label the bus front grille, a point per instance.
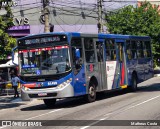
(43, 87)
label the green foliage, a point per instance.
(143, 20)
(6, 42)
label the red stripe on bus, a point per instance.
(43, 49)
(122, 74)
(31, 85)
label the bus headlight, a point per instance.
(25, 88)
(64, 83)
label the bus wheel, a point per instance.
(91, 96)
(49, 102)
(134, 83)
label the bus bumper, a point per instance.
(47, 93)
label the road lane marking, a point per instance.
(119, 111)
(43, 114)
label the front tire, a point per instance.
(91, 96)
(49, 102)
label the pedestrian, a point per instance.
(15, 80)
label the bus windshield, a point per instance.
(45, 61)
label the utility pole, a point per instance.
(46, 15)
(100, 24)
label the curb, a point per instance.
(15, 100)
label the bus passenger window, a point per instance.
(108, 57)
(134, 54)
(113, 55)
(110, 50)
(140, 52)
(129, 54)
(145, 53)
(90, 57)
(128, 49)
(148, 53)
(89, 50)
(76, 54)
(132, 49)
(99, 49)
(147, 49)
(89, 45)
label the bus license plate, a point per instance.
(42, 94)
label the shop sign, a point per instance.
(21, 21)
(20, 28)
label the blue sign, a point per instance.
(29, 66)
(38, 72)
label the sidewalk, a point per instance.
(9, 102)
(7, 96)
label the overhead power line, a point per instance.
(95, 10)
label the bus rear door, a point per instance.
(121, 63)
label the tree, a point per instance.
(143, 20)
(6, 42)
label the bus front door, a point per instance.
(121, 62)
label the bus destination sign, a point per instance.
(44, 40)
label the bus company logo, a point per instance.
(52, 83)
(8, 4)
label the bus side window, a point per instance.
(110, 50)
(128, 50)
(108, 57)
(129, 54)
(120, 48)
(147, 49)
(140, 52)
(134, 49)
(99, 49)
(113, 54)
(89, 50)
(76, 54)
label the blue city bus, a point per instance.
(69, 64)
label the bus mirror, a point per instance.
(77, 53)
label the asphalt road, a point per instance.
(120, 105)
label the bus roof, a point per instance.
(119, 36)
(100, 35)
